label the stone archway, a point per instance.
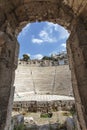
(14, 15)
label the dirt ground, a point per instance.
(57, 117)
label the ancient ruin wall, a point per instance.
(43, 106)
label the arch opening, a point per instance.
(44, 41)
(44, 82)
(72, 15)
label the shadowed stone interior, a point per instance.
(14, 15)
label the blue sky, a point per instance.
(42, 39)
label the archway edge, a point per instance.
(21, 12)
(48, 10)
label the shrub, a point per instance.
(20, 127)
(46, 115)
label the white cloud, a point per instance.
(63, 33)
(63, 45)
(28, 54)
(43, 34)
(37, 56)
(38, 41)
(55, 52)
(60, 49)
(24, 30)
(52, 25)
(47, 34)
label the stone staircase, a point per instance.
(44, 80)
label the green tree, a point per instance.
(26, 57)
(45, 58)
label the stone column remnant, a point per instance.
(77, 53)
(8, 64)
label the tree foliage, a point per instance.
(26, 57)
(49, 58)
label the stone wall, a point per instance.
(43, 106)
(39, 63)
(70, 124)
(16, 121)
(43, 63)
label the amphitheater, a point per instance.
(35, 79)
(14, 15)
(42, 88)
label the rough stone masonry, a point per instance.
(14, 15)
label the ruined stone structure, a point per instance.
(14, 15)
(39, 63)
(17, 120)
(43, 63)
(35, 79)
(43, 106)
